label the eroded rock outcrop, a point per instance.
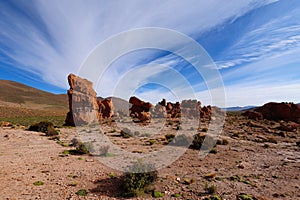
(83, 107)
(106, 108)
(140, 110)
(276, 111)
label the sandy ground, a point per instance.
(259, 160)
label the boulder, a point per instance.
(83, 107)
(140, 110)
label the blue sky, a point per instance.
(255, 44)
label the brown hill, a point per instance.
(20, 99)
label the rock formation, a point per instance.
(140, 110)
(106, 108)
(280, 111)
(83, 107)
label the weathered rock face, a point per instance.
(106, 108)
(280, 111)
(253, 115)
(83, 107)
(140, 110)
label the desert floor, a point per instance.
(259, 160)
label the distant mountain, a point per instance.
(14, 94)
(238, 108)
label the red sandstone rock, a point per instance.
(140, 109)
(83, 107)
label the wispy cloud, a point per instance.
(52, 38)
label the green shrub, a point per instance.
(210, 189)
(170, 136)
(44, 127)
(213, 151)
(215, 197)
(157, 194)
(151, 142)
(244, 196)
(176, 195)
(82, 192)
(137, 178)
(38, 183)
(84, 148)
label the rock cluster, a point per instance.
(140, 110)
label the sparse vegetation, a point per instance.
(214, 197)
(244, 196)
(213, 151)
(210, 189)
(170, 137)
(137, 178)
(176, 195)
(44, 127)
(157, 194)
(82, 192)
(38, 183)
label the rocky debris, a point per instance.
(253, 115)
(106, 108)
(140, 110)
(83, 107)
(5, 124)
(288, 126)
(280, 111)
